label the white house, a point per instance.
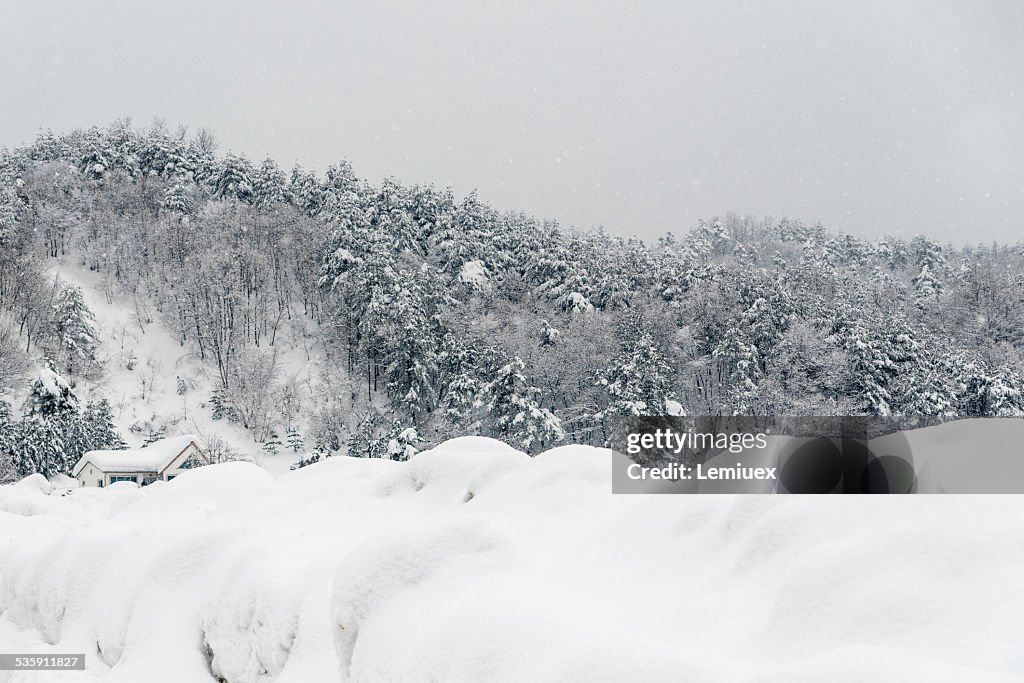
(159, 461)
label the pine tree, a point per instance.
(402, 442)
(927, 289)
(294, 439)
(178, 201)
(234, 179)
(637, 382)
(8, 470)
(463, 368)
(73, 330)
(371, 437)
(155, 433)
(34, 447)
(515, 411)
(268, 185)
(98, 423)
(8, 441)
(49, 394)
(221, 407)
(94, 164)
(272, 446)
(742, 363)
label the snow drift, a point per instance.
(474, 562)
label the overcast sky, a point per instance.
(870, 117)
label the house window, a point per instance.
(171, 476)
(188, 464)
(116, 478)
(99, 482)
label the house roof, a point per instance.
(152, 458)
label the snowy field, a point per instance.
(474, 562)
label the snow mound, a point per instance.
(475, 562)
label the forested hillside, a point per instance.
(441, 316)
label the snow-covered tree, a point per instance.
(293, 439)
(73, 330)
(269, 185)
(927, 289)
(638, 380)
(8, 433)
(515, 411)
(234, 179)
(272, 446)
(155, 433)
(742, 362)
(402, 444)
(99, 428)
(49, 394)
(54, 435)
(177, 200)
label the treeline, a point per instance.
(443, 316)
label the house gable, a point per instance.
(189, 458)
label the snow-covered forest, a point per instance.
(423, 315)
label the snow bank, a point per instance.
(474, 562)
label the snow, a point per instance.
(152, 458)
(472, 561)
(474, 273)
(674, 408)
(52, 383)
(578, 303)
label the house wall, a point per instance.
(90, 476)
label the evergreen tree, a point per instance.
(73, 329)
(294, 439)
(515, 412)
(8, 441)
(49, 394)
(927, 289)
(178, 201)
(8, 470)
(402, 442)
(742, 370)
(268, 185)
(637, 382)
(98, 424)
(272, 446)
(234, 179)
(155, 433)
(221, 407)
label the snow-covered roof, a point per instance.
(152, 458)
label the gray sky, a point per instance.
(871, 117)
